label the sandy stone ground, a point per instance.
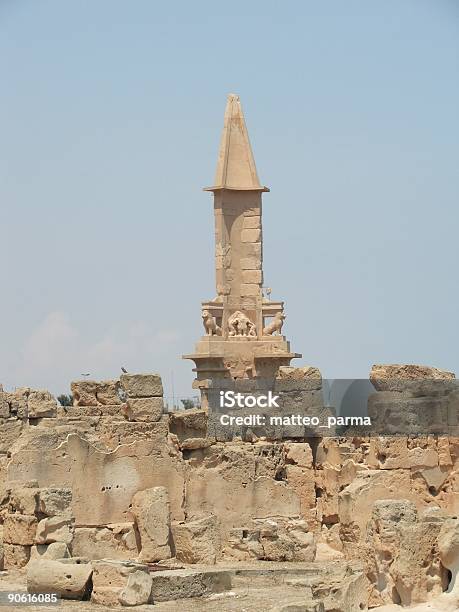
(244, 597)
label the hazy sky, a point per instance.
(111, 113)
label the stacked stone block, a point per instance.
(33, 519)
(144, 397)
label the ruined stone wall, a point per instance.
(115, 477)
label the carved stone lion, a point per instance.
(275, 325)
(210, 324)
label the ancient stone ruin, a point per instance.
(114, 502)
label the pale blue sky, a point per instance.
(111, 117)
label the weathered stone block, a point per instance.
(41, 404)
(11, 430)
(251, 249)
(152, 516)
(185, 583)
(19, 529)
(69, 578)
(15, 555)
(144, 409)
(298, 453)
(55, 501)
(397, 377)
(107, 392)
(17, 402)
(118, 583)
(110, 542)
(53, 551)
(142, 385)
(189, 424)
(249, 289)
(253, 222)
(84, 392)
(251, 263)
(55, 529)
(4, 406)
(250, 235)
(24, 499)
(298, 379)
(197, 541)
(252, 276)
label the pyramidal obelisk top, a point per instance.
(243, 328)
(236, 167)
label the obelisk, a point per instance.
(243, 328)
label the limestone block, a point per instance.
(120, 583)
(69, 578)
(197, 541)
(355, 502)
(286, 539)
(394, 413)
(302, 481)
(23, 499)
(405, 565)
(55, 529)
(444, 451)
(15, 555)
(390, 452)
(298, 453)
(248, 289)
(142, 385)
(448, 547)
(10, 432)
(4, 406)
(55, 501)
(253, 222)
(347, 592)
(189, 425)
(107, 392)
(19, 529)
(251, 249)
(396, 377)
(417, 571)
(298, 379)
(152, 516)
(243, 545)
(273, 539)
(184, 583)
(84, 392)
(251, 235)
(195, 443)
(253, 211)
(252, 276)
(55, 550)
(144, 409)
(41, 404)
(17, 402)
(300, 606)
(2, 562)
(109, 542)
(251, 263)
